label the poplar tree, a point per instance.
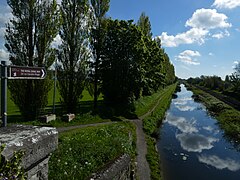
(73, 52)
(100, 7)
(28, 39)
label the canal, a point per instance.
(192, 146)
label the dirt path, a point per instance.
(226, 99)
(143, 169)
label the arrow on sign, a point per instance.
(24, 72)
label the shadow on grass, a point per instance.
(112, 112)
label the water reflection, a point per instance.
(219, 163)
(182, 123)
(192, 146)
(195, 142)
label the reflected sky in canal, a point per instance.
(192, 146)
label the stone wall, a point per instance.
(37, 144)
(120, 169)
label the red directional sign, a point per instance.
(22, 72)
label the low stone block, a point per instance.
(37, 144)
(48, 118)
(68, 117)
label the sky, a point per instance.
(201, 37)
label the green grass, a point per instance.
(82, 152)
(151, 125)
(144, 104)
(80, 119)
(153, 121)
(228, 117)
(153, 158)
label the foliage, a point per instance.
(73, 53)
(11, 169)
(82, 152)
(235, 78)
(153, 158)
(28, 38)
(120, 69)
(145, 25)
(227, 116)
(100, 7)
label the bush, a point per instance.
(11, 169)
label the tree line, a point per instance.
(116, 58)
(230, 86)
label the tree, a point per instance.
(28, 39)
(100, 7)
(145, 25)
(73, 52)
(235, 78)
(121, 69)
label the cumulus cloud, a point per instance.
(219, 163)
(3, 55)
(208, 19)
(226, 4)
(182, 124)
(195, 142)
(188, 57)
(221, 35)
(201, 23)
(194, 35)
(2, 32)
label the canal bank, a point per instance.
(193, 146)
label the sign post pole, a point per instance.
(4, 93)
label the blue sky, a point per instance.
(201, 37)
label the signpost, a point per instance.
(16, 72)
(21, 72)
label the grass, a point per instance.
(153, 158)
(152, 122)
(82, 152)
(228, 117)
(144, 104)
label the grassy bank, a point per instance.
(228, 117)
(82, 152)
(151, 124)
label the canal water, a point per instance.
(192, 146)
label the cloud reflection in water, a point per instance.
(181, 123)
(195, 142)
(219, 163)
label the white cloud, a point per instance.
(2, 32)
(4, 56)
(219, 163)
(201, 22)
(227, 4)
(188, 56)
(56, 41)
(194, 35)
(195, 142)
(236, 62)
(210, 54)
(221, 35)
(208, 19)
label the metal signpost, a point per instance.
(16, 72)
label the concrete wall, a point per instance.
(37, 144)
(120, 169)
